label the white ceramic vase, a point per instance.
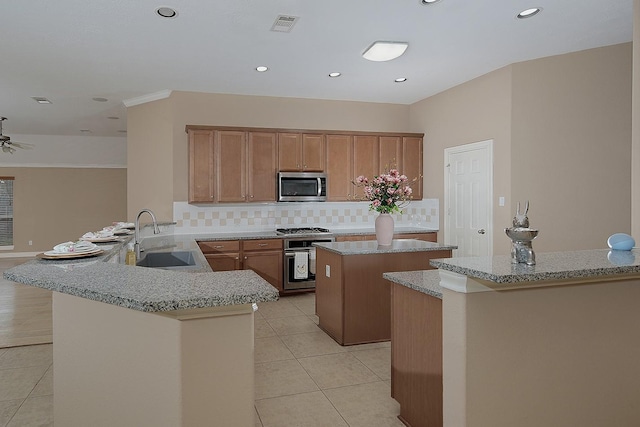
(384, 229)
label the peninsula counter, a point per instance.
(137, 346)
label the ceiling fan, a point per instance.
(7, 145)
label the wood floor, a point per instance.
(25, 311)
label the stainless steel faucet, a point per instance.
(156, 230)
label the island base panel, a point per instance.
(416, 356)
(354, 303)
(116, 366)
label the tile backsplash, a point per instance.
(269, 216)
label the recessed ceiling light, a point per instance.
(336, 74)
(262, 69)
(385, 51)
(85, 130)
(100, 99)
(113, 117)
(400, 80)
(166, 12)
(428, 2)
(122, 131)
(41, 100)
(528, 13)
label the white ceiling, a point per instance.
(70, 51)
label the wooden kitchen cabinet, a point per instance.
(262, 164)
(230, 166)
(412, 163)
(301, 152)
(222, 255)
(339, 168)
(201, 174)
(390, 150)
(264, 256)
(366, 156)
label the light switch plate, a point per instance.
(327, 270)
(501, 201)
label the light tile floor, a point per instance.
(302, 377)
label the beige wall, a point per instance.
(561, 128)
(54, 205)
(635, 159)
(474, 111)
(571, 146)
(150, 160)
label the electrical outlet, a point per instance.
(30, 242)
(327, 270)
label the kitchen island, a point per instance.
(353, 300)
(138, 346)
(555, 344)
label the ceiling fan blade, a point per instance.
(23, 145)
(7, 149)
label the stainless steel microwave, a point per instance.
(302, 187)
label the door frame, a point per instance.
(487, 147)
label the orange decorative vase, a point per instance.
(384, 229)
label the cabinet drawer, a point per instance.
(217, 246)
(260, 245)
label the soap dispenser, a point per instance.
(130, 259)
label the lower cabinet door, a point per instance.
(224, 261)
(267, 264)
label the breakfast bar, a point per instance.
(552, 344)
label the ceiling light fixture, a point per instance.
(528, 13)
(113, 117)
(335, 74)
(428, 2)
(100, 99)
(41, 100)
(262, 69)
(385, 51)
(400, 80)
(166, 12)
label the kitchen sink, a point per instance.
(169, 260)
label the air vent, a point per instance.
(284, 23)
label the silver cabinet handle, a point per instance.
(263, 244)
(218, 247)
(481, 231)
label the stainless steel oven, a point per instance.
(299, 251)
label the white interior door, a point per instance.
(468, 209)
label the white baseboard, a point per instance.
(19, 254)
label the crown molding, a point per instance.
(131, 102)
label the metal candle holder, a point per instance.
(521, 236)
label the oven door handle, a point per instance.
(292, 254)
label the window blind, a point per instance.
(6, 212)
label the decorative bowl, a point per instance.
(519, 234)
(621, 242)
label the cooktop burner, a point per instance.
(303, 230)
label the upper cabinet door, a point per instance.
(365, 156)
(339, 163)
(412, 163)
(262, 166)
(231, 166)
(313, 153)
(201, 178)
(289, 152)
(390, 153)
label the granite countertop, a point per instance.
(105, 278)
(371, 247)
(425, 281)
(551, 266)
